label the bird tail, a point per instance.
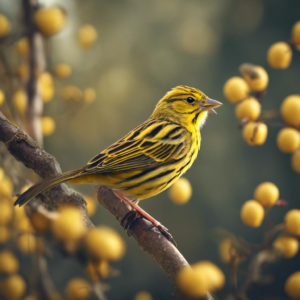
(45, 185)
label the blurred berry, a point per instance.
(290, 110)
(50, 20)
(255, 133)
(292, 285)
(280, 55)
(249, 108)
(236, 89)
(181, 191)
(288, 140)
(252, 213)
(267, 194)
(292, 221)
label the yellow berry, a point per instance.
(22, 46)
(87, 35)
(13, 287)
(2, 97)
(256, 77)
(226, 250)
(103, 268)
(192, 283)
(69, 225)
(8, 262)
(50, 20)
(20, 101)
(292, 285)
(249, 109)
(39, 222)
(214, 276)
(63, 70)
(23, 224)
(89, 95)
(296, 161)
(4, 234)
(78, 289)
(2, 174)
(71, 93)
(4, 25)
(48, 126)
(91, 205)
(255, 133)
(47, 93)
(288, 140)
(290, 110)
(23, 71)
(280, 55)
(6, 211)
(19, 213)
(236, 89)
(45, 78)
(267, 194)
(6, 187)
(296, 33)
(98, 270)
(104, 243)
(292, 221)
(288, 246)
(252, 213)
(143, 296)
(181, 191)
(46, 86)
(27, 243)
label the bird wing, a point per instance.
(151, 144)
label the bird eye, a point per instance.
(190, 100)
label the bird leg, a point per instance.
(145, 215)
(129, 219)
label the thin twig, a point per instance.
(8, 83)
(266, 256)
(233, 268)
(208, 296)
(36, 66)
(98, 291)
(45, 283)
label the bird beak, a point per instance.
(211, 104)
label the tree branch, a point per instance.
(36, 66)
(25, 150)
(150, 240)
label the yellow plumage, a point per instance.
(149, 158)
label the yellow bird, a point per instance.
(149, 158)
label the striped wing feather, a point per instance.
(151, 144)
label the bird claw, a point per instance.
(164, 231)
(133, 216)
(129, 219)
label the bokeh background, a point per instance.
(144, 49)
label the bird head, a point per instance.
(186, 106)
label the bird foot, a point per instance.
(164, 231)
(132, 216)
(129, 219)
(138, 213)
